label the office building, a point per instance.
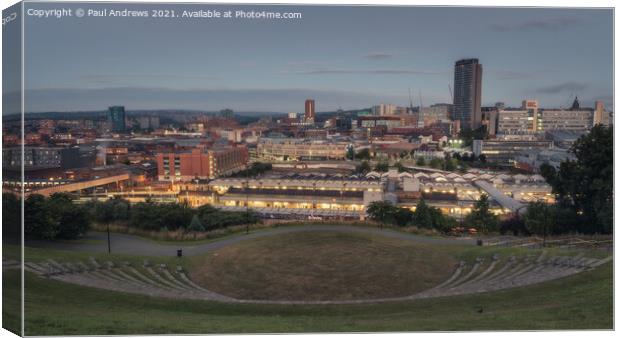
(296, 149)
(36, 158)
(505, 151)
(601, 116)
(384, 109)
(468, 93)
(439, 112)
(201, 163)
(116, 118)
(309, 110)
(148, 122)
(560, 119)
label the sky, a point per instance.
(343, 57)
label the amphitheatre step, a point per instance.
(494, 261)
(58, 266)
(36, 268)
(146, 278)
(507, 265)
(163, 269)
(161, 279)
(94, 262)
(465, 278)
(602, 261)
(460, 268)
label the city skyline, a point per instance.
(341, 61)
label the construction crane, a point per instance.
(420, 94)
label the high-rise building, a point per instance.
(384, 109)
(601, 116)
(309, 115)
(116, 118)
(467, 93)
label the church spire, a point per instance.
(575, 104)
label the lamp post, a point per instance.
(247, 197)
(109, 247)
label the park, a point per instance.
(306, 278)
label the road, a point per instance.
(134, 245)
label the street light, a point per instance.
(109, 248)
(247, 196)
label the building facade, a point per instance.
(200, 163)
(290, 149)
(505, 151)
(116, 118)
(468, 93)
(36, 158)
(309, 110)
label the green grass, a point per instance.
(582, 301)
(325, 265)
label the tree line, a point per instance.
(58, 217)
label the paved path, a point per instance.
(134, 245)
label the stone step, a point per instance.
(602, 261)
(494, 262)
(149, 280)
(94, 262)
(164, 271)
(466, 277)
(459, 270)
(160, 279)
(58, 266)
(498, 272)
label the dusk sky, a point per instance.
(343, 57)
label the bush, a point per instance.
(514, 225)
(56, 217)
(196, 225)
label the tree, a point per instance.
(436, 163)
(400, 167)
(585, 185)
(450, 164)
(69, 220)
(363, 154)
(38, 222)
(420, 162)
(480, 217)
(514, 225)
(540, 219)
(382, 167)
(11, 217)
(350, 153)
(422, 216)
(362, 168)
(402, 217)
(382, 212)
(195, 224)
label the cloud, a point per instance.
(123, 79)
(378, 56)
(563, 87)
(506, 74)
(551, 24)
(365, 71)
(242, 99)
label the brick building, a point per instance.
(202, 163)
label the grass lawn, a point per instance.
(323, 266)
(582, 301)
(346, 265)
